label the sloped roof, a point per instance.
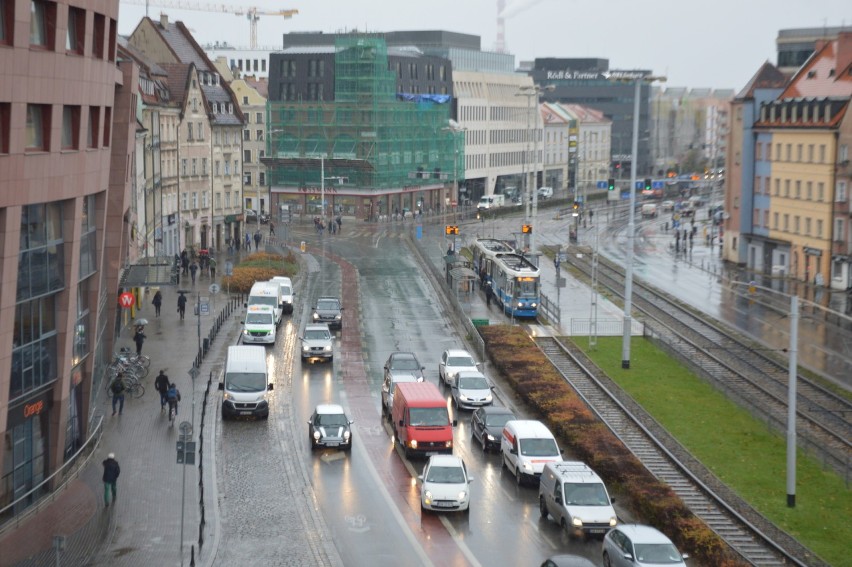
(826, 72)
(260, 85)
(178, 79)
(586, 114)
(767, 77)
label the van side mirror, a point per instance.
(245, 305)
(351, 421)
(222, 386)
(455, 422)
(561, 451)
(420, 477)
(270, 386)
(242, 322)
(310, 422)
(558, 499)
(470, 479)
(513, 451)
(401, 423)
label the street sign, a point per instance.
(214, 288)
(205, 306)
(194, 372)
(185, 428)
(229, 268)
(658, 185)
(126, 300)
(602, 184)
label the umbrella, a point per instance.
(140, 321)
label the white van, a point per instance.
(576, 497)
(545, 192)
(490, 201)
(266, 293)
(286, 292)
(259, 325)
(526, 446)
(245, 383)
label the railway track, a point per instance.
(741, 370)
(747, 539)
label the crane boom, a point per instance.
(252, 13)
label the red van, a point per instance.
(421, 420)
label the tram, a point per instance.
(485, 251)
(515, 282)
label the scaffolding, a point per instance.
(369, 137)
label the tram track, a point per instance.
(739, 368)
(756, 540)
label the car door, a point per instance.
(554, 502)
(477, 425)
(622, 546)
(442, 367)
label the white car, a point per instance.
(452, 361)
(471, 390)
(317, 342)
(634, 545)
(667, 206)
(445, 484)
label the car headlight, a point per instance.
(613, 521)
(306, 348)
(488, 398)
(413, 443)
(527, 466)
(449, 444)
(316, 315)
(316, 435)
(577, 522)
(246, 332)
(346, 434)
(462, 495)
(463, 398)
(327, 348)
(490, 437)
(338, 316)
(428, 495)
(227, 396)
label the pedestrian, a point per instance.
(257, 238)
(248, 241)
(193, 269)
(173, 397)
(139, 338)
(161, 383)
(488, 294)
(184, 261)
(212, 263)
(181, 305)
(271, 228)
(339, 222)
(556, 263)
(110, 478)
(118, 388)
(158, 302)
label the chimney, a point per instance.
(164, 20)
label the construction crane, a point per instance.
(252, 14)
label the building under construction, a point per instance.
(373, 138)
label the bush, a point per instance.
(260, 267)
(534, 379)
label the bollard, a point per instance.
(205, 345)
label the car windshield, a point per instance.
(327, 305)
(538, 447)
(404, 364)
(472, 383)
(263, 300)
(658, 553)
(245, 381)
(327, 419)
(259, 319)
(285, 290)
(461, 361)
(498, 420)
(445, 475)
(428, 416)
(317, 335)
(585, 494)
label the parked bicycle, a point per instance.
(135, 359)
(132, 386)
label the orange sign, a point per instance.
(33, 409)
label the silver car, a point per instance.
(452, 361)
(471, 389)
(631, 545)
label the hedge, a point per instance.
(259, 267)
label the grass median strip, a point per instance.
(738, 448)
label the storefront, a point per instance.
(25, 460)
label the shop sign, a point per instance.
(29, 409)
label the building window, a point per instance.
(840, 194)
(227, 199)
(258, 117)
(7, 16)
(227, 167)
(99, 35)
(799, 152)
(195, 199)
(261, 178)
(113, 30)
(88, 240)
(203, 166)
(822, 153)
(107, 125)
(246, 135)
(94, 125)
(843, 153)
(184, 201)
(189, 136)
(76, 30)
(38, 127)
(259, 134)
(819, 228)
(247, 178)
(218, 200)
(809, 190)
(184, 164)
(201, 131)
(838, 230)
(820, 191)
(5, 113)
(798, 189)
(787, 188)
(810, 153)
(195, 166)
(758, 151)
(775, 221)
(247, 156)
(796, 220)
(204, 199)
(42, 24)
(70, 127)
(263, 65)
(216, 168)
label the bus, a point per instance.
(515, 282)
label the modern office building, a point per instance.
(241, 62)
(67, 135)
(795, 46)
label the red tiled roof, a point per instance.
(826, 73)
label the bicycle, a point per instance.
(172, 412)
(134, 359)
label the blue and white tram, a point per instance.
(515, 282)
(485, 251)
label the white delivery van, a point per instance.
(491, 201)
(245, 384)
(649, 211)
(545, 192)
(526, 446)
(259, 325)
(266, 293)
(286, 292)
(576, 497)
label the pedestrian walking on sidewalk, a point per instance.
(118, 388)
(193, 269)
(212, 264)
(110, 478)
(181, 305)
(271, 229)
(488, 294)
(257, 237)
(158, 302)
(139, 338)
(161, 383)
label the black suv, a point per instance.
(328, 310)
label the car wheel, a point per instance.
(606, 560)
(518, 477)
(542, 507)
(503, 461)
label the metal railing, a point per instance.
(12, 515)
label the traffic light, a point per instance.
(526, 229)
(576, 205)
(647, 184)
(452, 229)
(611, 184)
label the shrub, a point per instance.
(260, 267)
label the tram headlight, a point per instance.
(520, 305)
(533, 304)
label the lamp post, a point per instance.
(530, 92)
(454, 128)
(631, 223)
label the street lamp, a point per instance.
(455, 128)
(637, 80)
(530, 92)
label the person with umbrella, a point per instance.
(139, 337)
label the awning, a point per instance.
(154, 271)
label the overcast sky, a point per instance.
(718, 44)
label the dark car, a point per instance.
(404, 363)
(328, 310)
(330, 427)
(487, 423)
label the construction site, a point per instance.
(368, 153)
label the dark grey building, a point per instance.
(588, 82)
